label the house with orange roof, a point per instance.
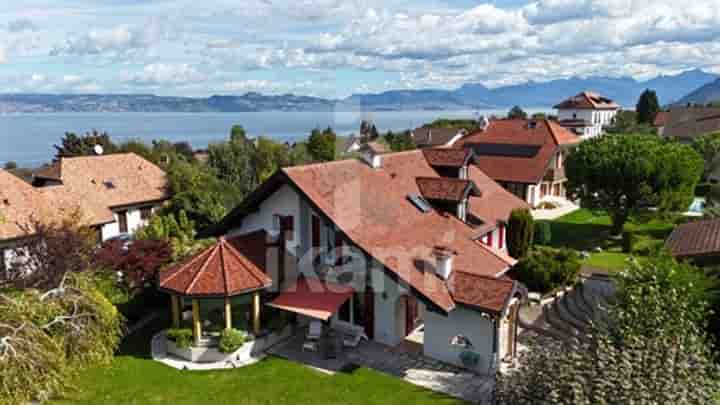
(526, 157)
(587, 114)
(394, 246)
(116, 194)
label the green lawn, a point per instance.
(133, 378)
(587, 229)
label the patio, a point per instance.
(411, 367)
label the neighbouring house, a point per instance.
(390, 246)
(696, 241)
(687, 123)
(425, 137)
(587, 114)
(660, 122)
(116, 194)
(22, 207)
(526, 157)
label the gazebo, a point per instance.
(218, 272)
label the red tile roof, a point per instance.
(447, 157)
(371, 208)
(495, 203)
(701, 238)
(95, 184)
(588, 100)
(489, 294)
(445, 189)
(536, 141)
(21, 206)
(218, 271)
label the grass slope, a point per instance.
(587, 229)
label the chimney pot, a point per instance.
(444, 256)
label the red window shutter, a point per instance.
(501, 242)
(490, 243)
(315, 231)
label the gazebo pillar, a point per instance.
(197, 326)
(256, 313)
(228, 314)
(175, 304)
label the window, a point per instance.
(501, 240)
(145, 213)
(287, 227)
(315, 231)
(122, 221)
(419, 202)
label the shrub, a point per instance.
(543, 233)
(546, 269)
(231, 340)
(628, 241)
(182, 337)
(519, 232)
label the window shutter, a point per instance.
(501, 242)
(287, 226)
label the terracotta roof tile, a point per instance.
(588, 100)
(447, 157)
(489, 294)
(661, 119)
(391, 228)
(425, 137)
(701, 238)
(218, 271)
(522, 151)
(21, 206)
(95, 184)
(495, 204)
(441, 188)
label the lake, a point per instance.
(28, 139)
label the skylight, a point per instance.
(420, 203)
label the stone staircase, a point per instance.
(569, 318)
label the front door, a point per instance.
(122, 221)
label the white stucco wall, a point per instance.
(286, 202)
(134, 221)
(440, 330)
(597, 118)
(387, 294)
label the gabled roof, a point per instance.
(371, 208)
(587, 101)
(446, 189)
(218, 271)
(489, 294)
(700, 238)
(517, 150)
(96, 184)
(21, 206)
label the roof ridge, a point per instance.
(204, 267)
(223, 268)
(189, 262)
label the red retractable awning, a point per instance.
(313, 298)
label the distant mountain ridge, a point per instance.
(706, 94)
(624, 91)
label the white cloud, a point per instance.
(167, 74)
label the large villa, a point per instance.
(402, 249)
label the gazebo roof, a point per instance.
(218, 271)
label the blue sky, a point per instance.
(333, 48)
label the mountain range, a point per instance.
(704, 95)
(623, 90)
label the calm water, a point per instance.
(28, 139)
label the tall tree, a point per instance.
(620, 173)
(520, 231)
(708, 146)
(237, 132)
(399, 141)
(84, 145)
(647, 107)
(234, 163)
(517, 113)
(269, 157)
(321, 144)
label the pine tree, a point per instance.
(647, 107)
